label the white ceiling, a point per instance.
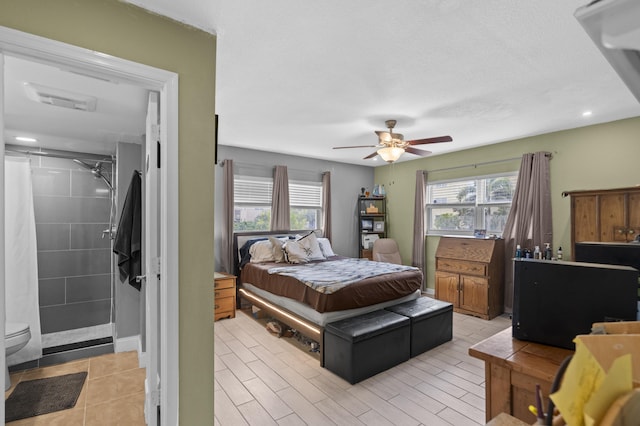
(119, 114)
(301, 77)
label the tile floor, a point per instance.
(113, 393)
(263, 380)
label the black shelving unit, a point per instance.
(372, 223)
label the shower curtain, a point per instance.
(21, 270)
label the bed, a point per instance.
(303, 304)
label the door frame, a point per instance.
(40, 49)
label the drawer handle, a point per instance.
(216, 293)
(216, 306)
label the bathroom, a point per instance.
(89, 135)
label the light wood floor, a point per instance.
(113, 392)
(263, 380)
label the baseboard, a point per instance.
(127, 344)
(142, 356)
(429, 292)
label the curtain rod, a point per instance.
(267, 167)
(548, 154)
(15, 149)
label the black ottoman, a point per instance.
(431, 322)
(363, 346)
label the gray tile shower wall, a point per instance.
(74, 260)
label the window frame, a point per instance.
(319, 208)
(252, 204)
(479, 208)
(266, 200)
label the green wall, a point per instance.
(129, 32)
(593, 157)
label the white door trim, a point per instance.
(32, 47)
(3, 359)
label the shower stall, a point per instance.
(75, 205)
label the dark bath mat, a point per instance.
(41, 396)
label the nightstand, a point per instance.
(224, 296)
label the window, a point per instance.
(252, 203)
(461, 206)
(305, 200)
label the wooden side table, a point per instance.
(224, 296)
(512, 369)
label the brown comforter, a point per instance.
(362, 293)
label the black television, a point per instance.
(554, 301)
(627, 254)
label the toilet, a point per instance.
(16, 337)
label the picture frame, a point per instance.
(480, 233)
(366, 224)
(378, 226)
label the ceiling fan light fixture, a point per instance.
(390, 153)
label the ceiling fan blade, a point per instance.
(420, 152)
(370, 155)
(430, 140)
(355, 146)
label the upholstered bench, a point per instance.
(431, 322)
(363, 346)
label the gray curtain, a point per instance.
(280, 208)
(326, 204)
(227, 234)
(417, 257)
(529, 221)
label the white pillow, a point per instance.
(276, 248)
(313, 247)
(303, 249)
(325, 247)
(262, 251)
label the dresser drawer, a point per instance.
(224, 296)
(225, 283)
(225, 304)
(224, 292)
(461, 266)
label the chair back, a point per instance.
(386, 250)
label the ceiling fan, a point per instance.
(392, 145)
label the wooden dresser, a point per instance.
(224, 296)
(470, 274)
(608, 215)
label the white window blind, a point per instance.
(252, 190)
(305, 194)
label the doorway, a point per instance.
(23, 45)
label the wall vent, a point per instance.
(59, 97)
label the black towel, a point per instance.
(127, 244)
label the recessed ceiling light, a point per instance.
(26, 139)
(587, 114)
